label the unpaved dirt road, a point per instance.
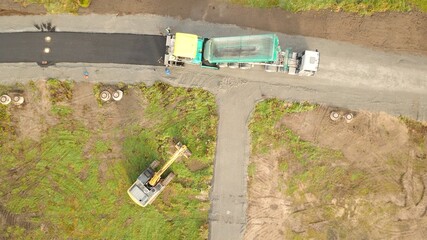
(392, 31)
(350, 76)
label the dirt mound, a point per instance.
(370, 134)
(9, 219)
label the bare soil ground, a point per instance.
(35, 117)
(391, 31)
(375, 190)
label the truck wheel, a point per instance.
(233, 65)
(168, 179)
(245, 66)
(223, 65)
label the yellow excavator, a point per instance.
(150, 184)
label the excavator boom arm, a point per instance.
(156, 178)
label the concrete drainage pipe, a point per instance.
(5, 99)
(105, 96)
(334, 116)
(118, 95)
(18, 100)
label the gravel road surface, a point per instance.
(350, 76)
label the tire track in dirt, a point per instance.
(11, 219)
(266, 206)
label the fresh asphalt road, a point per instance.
(74, 47)
(350, 76)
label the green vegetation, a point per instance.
(97, 91)
(357, 6)
(6, 128)
(5, 123)
(417, 131)
(251, 169)
(59, 6)
(67, 186)
(265, 130)
(84, 3)
(420, 4)
(61, 111)
(417, 134)
(59, 91)
(309, 165)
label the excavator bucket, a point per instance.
(186, 153)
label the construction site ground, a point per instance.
(324, 179)
(393, 31)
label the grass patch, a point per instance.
(358, 6)
(420, 4)
(71, 194)
(58, 6)
(251, 169)
(59, 91)
(84, 3)
(6, 129)
(417, 131)
(61, 111)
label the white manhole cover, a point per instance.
(334, 116)
(5, 99)
(348, 117)
(105, 96)
(18, 100)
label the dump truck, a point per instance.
(149, 183)
(242, 52)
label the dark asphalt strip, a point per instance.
(75, 47)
